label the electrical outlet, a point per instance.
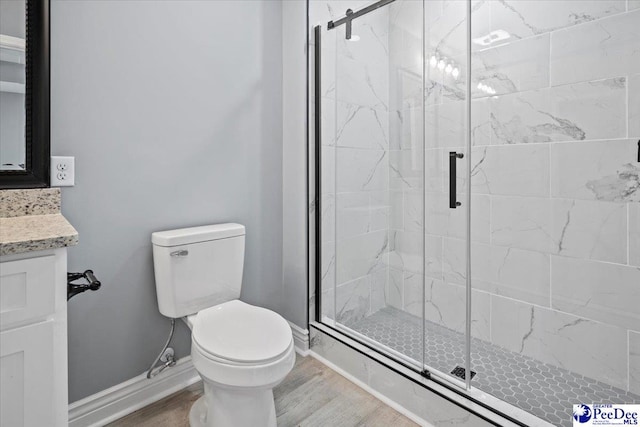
(62, 171)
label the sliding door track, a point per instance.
(388, 362)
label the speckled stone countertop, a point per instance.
(30, 220)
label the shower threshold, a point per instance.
(544, 390)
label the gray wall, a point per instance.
(294, 167)
(173, 111)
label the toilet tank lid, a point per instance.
(185, 236)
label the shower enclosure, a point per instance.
(477, 173)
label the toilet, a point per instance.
(241, 351)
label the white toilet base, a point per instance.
(233, 407)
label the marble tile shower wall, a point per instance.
(555, 185)
(355, 162)
(555, 182)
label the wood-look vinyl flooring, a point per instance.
(311, 395)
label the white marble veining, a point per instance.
(413, 211)
(596, 50)
(445, 26)
(606, 171)
(406, 169)
(396, 214)
(445, 305)
(441, 220)
(590, 230)
(435, 170)
(406, 128)
(561, 339)
(510, 272)
(517, 170)
(519, 274)
(362, 66)
(395, 288)
(433, 256)
(600, 291)
(352, 212)
(378, 281)
(328, 267)
(527, 18)
(442, 125)
(360, 255)
(353, 300)
(522, 222)
(406, 251)
(362, 127)
(361, 170)
(514, 67)
(328, 165)
(582, 111)
(328, 217)
(413, 292)
(361, 212)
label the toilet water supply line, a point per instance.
(170, 358)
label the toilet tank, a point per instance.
(198, 267)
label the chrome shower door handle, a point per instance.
(180, 253)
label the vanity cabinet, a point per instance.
(33, 339)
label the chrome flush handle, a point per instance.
(182, 252)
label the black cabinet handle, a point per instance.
(453, 157)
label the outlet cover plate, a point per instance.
(63, 171)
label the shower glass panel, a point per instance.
(385, 216)
(555, 185)
(445, 111)
(372, 176)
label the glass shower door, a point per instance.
(372, 178)
(387, 223)
(445, 190)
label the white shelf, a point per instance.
(12, 49)
(12, 87)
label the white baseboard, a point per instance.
(300, 339)
(129, 396)
(391, 403)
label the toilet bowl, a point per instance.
(241, 351)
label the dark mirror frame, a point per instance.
(37, 101)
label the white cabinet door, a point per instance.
(27, 287)
(27, 376)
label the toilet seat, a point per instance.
(238, 345)
(239, 333)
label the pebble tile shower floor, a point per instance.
(544, 390)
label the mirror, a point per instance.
(24, 93)
(12, 84)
